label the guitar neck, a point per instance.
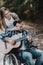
(21, 38)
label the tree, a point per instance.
(24, 8)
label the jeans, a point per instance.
(41, 52)
(35, 54)
(27, 56)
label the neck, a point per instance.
(8, 18)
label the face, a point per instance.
(20, 27)
(7, 14)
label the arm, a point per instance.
(15, 27)
(11, 29)
(26, 26)
(31, 42)
(15, 16)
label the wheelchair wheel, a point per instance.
(22, 63)
(10, 59)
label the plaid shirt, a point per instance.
(10, 33)
(7, 34)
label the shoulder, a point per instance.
(13, 14)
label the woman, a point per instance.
(10, 20)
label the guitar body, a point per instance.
(9, 45)
(3, 50)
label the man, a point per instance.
(26, 47)
(21, 50)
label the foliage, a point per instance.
(24, 8)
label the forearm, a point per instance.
(15, 16)
(17, 19)
(11, 29)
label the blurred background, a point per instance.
(31, 10)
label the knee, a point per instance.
(27, 55)
(39, 54)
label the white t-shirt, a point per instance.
(9, 23)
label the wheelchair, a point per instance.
(11, 59)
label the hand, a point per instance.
(9, 40)
(6, 39)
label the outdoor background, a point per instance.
(26, 9)
(31, 12)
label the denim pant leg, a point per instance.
(37, 55)
(27, 57)
(41, 54)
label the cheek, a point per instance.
(8, 15)
(21, 28)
